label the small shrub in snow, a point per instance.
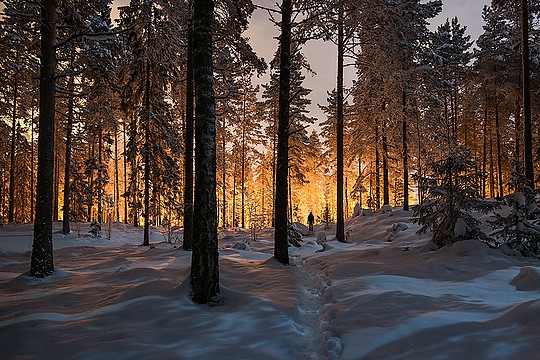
(256, 225)
(95, 229)
(452, 194)
(321, 237)
(294, 235)
(520, 229)
(170, 232)
(242, 246)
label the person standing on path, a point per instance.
(310, 220)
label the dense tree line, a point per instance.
(107, 133)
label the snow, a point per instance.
(366, 299)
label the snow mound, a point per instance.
(241, 246)
(386, 209)
(394, 229)
(528, 279)
(303, 229)
(321, 236)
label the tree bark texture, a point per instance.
(67, 168)
(405, 157)
(204, 260)
(340, 221)
(146, 236)
(386, 183)
(188, 161)
(42, 248)
(11, 205)
(527, 118)
(281, 243)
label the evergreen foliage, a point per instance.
(451, 185)
(520, 228)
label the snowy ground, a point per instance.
(370, 299)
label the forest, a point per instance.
(100, 117)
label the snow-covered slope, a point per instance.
(369, 299)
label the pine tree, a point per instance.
(453, 193)
(204, 262)
(281, 243)
(42, 251)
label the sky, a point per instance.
(322, 56)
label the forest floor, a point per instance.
(368, 299)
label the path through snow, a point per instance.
(317, 325)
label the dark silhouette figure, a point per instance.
(310, 220)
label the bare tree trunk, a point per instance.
(243, 168)
(224, 174)
(56, 188)
(116, 176)
(405, 157)
(125, 176)
(11, 204)
(377, 168)
(42, 263)
(146, 239)
(517, 154)
(290, 196)
(491, 166)
(281, 243)
(386, 185)
(274, 165)
(234, 224)
(527, 119)
(67, 168)
(340, 221)
(188, 161)
(499, 155)
(484, 155)
(204, 260)
(32, 155)
(100, 184)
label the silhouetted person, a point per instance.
(310, 220)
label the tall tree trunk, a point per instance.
(56, 187)
(67, 169)
(100, 183)
(116, 176)
(188, 161)
(125, 175)
(243, 169)
(499, 155)
(386, 185)
(90, 181)
(11, 204)
(204, 260)
(274, 166)
(377, 168)
(42, 263)
(234, 223)
(281, 243)
(405, 157)
(491, 166)
(146, 239)
(484, 154)
(32, 155)
(517, 151)
(527, 119)
(290, 197)
(340, 221)
(224, 174)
